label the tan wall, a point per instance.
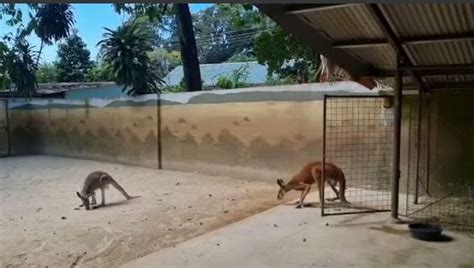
(116, 134)
(259, 134)
(251, 139)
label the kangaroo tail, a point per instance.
(118, 187)
(342, 190)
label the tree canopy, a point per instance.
(126, 51)
(73, 60)
(155, 39)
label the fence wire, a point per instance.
(358, 135)
(434, 199)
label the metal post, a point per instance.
(396, 138)
(158, 130)
(428, 145)
(7, 118)
(418, 158)
(324, 156)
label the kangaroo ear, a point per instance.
(280, 182)
(79, 195)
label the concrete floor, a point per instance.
(289, 237)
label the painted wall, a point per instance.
(256, 133)
(122, 131)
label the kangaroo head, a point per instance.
(282, 191)
(85, 201)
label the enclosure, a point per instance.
(42, 225)
(425, 48)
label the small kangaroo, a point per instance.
(311, 173)
(98, 180)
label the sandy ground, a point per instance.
(41, 224)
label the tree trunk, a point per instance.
(39, 54)
(189, 56)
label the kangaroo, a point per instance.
(98, 180)
(311, 173)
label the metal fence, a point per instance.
(448, 200)
(358, 139)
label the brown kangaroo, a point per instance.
(98, 180)
(311, 173)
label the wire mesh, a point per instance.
(448, 201)
(358, 135)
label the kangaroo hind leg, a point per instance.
(333, 187)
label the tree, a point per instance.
(52, 22)
(227, 30)
(21, 67)
(47, 73)
(99, 72)
(284, 55)
(74, 59)
(163, 61)
(187, 41)
(189, 56)
(126, 51)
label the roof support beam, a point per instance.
(301, 30)
(406, 41)
(393, 40)
(305, 8)
(438, 38)
(451, 86)
(363, 43)
(444, 69)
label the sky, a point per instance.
(90, 20)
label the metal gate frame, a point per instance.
(323, 201)
(6, 128)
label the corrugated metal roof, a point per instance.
(411, 20)
(345, 23)
(381, 56)
(449, 79)
(257, 74)
(457, 52)
(450, 26)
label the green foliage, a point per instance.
(4, 75)
(14, 14)
(154, 12)
(237, 79)
(225, 30)
(163, 61)
(21, 67)
(74, 60)
(99, 73)
(52, 22)
(173, 89)
(47, 73)
(277, 49)
(126, 51)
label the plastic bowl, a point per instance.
(425, 231)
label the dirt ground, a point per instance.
(41, 224)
